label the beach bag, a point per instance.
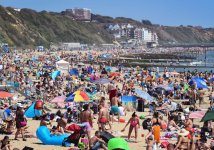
(74, 127)
(146, 124)
(23, 123)
(164, 144)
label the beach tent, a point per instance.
(62, 65)
(31, 112)
(129, 100)
(74, 72)
(55, 74)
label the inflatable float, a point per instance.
(44, 135)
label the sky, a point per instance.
(163, 12)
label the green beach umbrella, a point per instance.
(118, 143)
(209, 116)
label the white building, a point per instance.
(70, 46)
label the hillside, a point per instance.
(184, 35)
(29, 27)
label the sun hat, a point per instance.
(19, 105)
(183, 132)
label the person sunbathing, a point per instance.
(5, 144)
(96, 142)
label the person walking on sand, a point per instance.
(21, 122)
(85, 118)
(115, 108)
(134, 124)
(103, 116)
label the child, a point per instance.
(134, 124)
(150, 143)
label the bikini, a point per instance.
(103, 120)
(134, 123)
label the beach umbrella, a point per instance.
(211, 80)
(91, 96)
(144, 95)
(78, 96)
(5, 94)
(197, 114)
(59, 99)
(74, 72)
(114, 74)
(200, 83)
(102, 81)
(159, 90)
(209, 116)
(70, 97)
(166, 87)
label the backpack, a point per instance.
(146, 124)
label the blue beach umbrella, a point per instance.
(200, 83)
(70, 97)
(211, 80)
(144, 95)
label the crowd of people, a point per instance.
(174, 99)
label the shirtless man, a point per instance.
(86, 118)
(114, 108)
(96, 142)
(188, 123)
(103, 116)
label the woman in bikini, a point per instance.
(183, 140)
(172, 125)
(134, 124)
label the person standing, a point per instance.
(103, 116)
(85, 118)
(21, 122)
